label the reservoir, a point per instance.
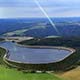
(34, 55)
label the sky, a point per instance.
(29, 9)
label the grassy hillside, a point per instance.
(12, 74)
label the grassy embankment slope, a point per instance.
(7, 73)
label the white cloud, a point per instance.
(28, 8)
(19, 12)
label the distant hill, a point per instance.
(40, 27)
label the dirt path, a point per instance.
(72, 74)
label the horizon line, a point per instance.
(37, 17)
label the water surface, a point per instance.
(34, 55)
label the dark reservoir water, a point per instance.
(34, 55)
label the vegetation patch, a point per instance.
(1, 39)
(58, 41)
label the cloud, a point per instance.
(16, 3)
(28, 8)
(45, 3)
(12, 12)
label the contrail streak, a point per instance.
(38, 4)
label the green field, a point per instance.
(13, 74)
(7, 73)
